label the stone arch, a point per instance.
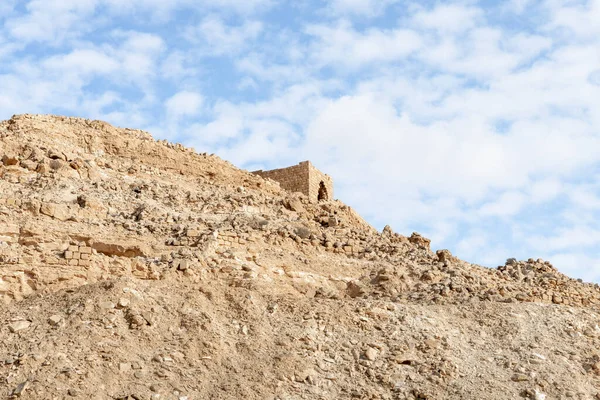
(323, 193)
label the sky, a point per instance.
(474, 123)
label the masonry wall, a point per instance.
(314, 183)
(303, 178)
(293, 179)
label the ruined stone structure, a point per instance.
(303, 178)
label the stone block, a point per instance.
(48, 209)
(85, 250)
(76, 255)
(58, 211)
(84, 256)
(73, 262)
(61, 212)
(68, 255)
(10, 230)
(85, 263)
(74, 249)
(183, 265)
(193, 233)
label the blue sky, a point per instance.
(475, 123)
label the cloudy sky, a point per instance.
(475, 123)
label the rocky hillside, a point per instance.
(138, 269)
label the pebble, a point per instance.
(19, 326)
(520, 378)
(107, 305)
(539, 395)
(54, 320)
(371, 354)
(123, 302)
(124, 367)
(20, 389)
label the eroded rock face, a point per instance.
(129, 267)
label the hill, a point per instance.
(138, 269)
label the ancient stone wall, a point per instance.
(303, 178)
(320, 185)
(293, 179)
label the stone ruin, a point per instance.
(303, 178)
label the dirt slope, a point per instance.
(135, 268)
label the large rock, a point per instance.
(10, 159)
(120, 249)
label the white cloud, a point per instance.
(566, 238)
(6, 8)
(217, 38)
(449, 18)
(518, 6)
(52, 21)
(545, 190)
(508, 204)
(179, 65)
(484, 52)
(82, 61)
(343, 46)
(163, 10)
(362, 8)
(184, 104)
(580, 18)
(579, 265)
(585, 197)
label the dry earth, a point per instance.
(138, 269)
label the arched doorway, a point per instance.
(323, 195)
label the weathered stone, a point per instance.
(18, 326)
(444, 256)
(106, 305)
(419, 240)
(183, 265)
(557, 299)
(519, 378)
(302, 232)
(120, 249)
(20, 389)
(124, 367)
(48, 209)
(10, 159)
(123, 303)
(56, 164)
(55, 320)
(29, 164)
(371, 354)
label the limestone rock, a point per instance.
(18, 326)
